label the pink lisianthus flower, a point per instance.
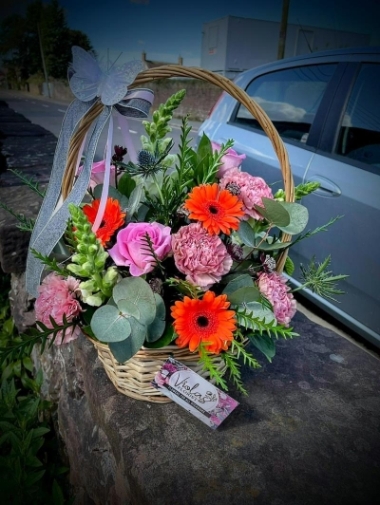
(202, 257)
(131, 248)
(250, 189)
(230, 160)
(274, 287)
(97, 173)
(57, 298)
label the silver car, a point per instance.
(326, 107)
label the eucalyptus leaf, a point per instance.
(257, 310)
(109, 325)
(135, 291)
(138, 332)
(276, 246)
(127, 348)
(112, 193)
(299, 217)
(157, 327)
(246, 234)
(166, 339)
(135, 200)
(244, 296)
(237, 282)
(141, 213)
(265, 344)
(274, 212)
(126, 184)
(129, 307)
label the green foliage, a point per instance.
(28, 464)
(159, 127)
(290, 218)
(21, 346)
(320, 280)
(30, 469)
(51, 263)
(289, 266)
(134, 314)
(30, 182)
(89, 261)
(251, 318)
(207, 363)
(24, 223)
(265, 344)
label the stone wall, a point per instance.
(200, 95)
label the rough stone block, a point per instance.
(306, 434)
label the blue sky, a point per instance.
(166, 29)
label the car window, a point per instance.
(359, 133)
(290, 97)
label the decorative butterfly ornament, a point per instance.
(88, 80)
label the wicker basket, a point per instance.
(133, 378)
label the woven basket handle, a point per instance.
(167, 71)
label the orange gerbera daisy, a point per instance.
(206, 320)
(217, 209)
(113, 218)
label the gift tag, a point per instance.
(192, 392)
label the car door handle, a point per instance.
(327, 187)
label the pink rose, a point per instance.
(58, 297)
(131, 248)
(250, 189)
(203, 258)
(97, 173)
(274, 287)
(230, 160)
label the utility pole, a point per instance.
(283, 27)
(43, 60)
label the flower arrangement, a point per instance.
(186, 254)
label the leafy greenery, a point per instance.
(30, 466)
(320, 280)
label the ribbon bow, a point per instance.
(88, 82)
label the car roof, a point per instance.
(332, 55)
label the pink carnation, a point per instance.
(274, 287)
(250, 190)
(203, 258)
(57, 297)
(230, 160)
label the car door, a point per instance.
(347, 165)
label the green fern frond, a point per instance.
(208, 365)
(51, 263)
(248, 321)
(28, 181)
(234, 371)
(23, 345)
(24, 223)
(239, 349)
(149, 247)
(310, 233)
